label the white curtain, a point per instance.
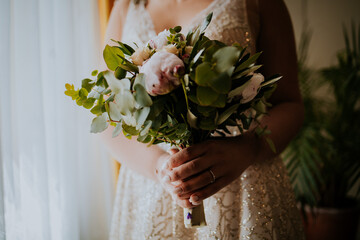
(57, 181)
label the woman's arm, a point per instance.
(228, 158)
(131, 153)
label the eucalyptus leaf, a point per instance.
(117, 130)
(89, 103)
(204, 73)
(225, 58)
(206, 96)
(88, 84)
(99, 123)
(114, 111)
(142, 97)
(141, 115)
(146, 128)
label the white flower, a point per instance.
(171, 49)
(140, 55)
(124, 102)
(162, 72)
(160, 40)
(252, 88)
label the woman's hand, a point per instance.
(197, 172)
(162, 173)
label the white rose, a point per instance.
(171, 49)
(160, 40)
(140, 55)
(252, 88)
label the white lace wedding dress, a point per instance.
(258, 205)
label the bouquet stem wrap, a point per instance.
(194, 217)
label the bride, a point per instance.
(243, 184)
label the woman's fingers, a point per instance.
(190, 168)
(197, 197)
(186, 155)
(198, 182)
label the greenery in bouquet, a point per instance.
(176, 89)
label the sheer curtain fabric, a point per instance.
(56, 180)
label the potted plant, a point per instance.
(323, 161)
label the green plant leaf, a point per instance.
(111, 57)
(206, 96)
(89, 103)
(117, 130)
(99, 123)
(225, 58)
(227, 113)
(88, 84)
(248, 62)
(203, 74)
(141, 96)
(222, 82)
(120, 73)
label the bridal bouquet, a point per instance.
(176, 89)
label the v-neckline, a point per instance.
(188, 27)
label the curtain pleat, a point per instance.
(57, 178)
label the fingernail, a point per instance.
(166, 179)
(178, 190)
(194, 200)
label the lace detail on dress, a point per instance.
(259, 204)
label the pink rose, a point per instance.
(162, 72)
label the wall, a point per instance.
(325, 20)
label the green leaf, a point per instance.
(88, 84)
(207, 124)
(99, 123)
(225, 58)
(220, 101)
(227, 113)
(83, 93)
(142, 97)
(130, 130)
(206, 96)
(144, 131)
(177, 29)
(117, 130)
(111, 57)
(94, 73)
(248, 62)
(120, 73)
(97, 110)
(141, 115)
(205, 111)
(89, 103)
(222, 82)
(206, 22)
(125, 48)
(203, 74)
(140, 79)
